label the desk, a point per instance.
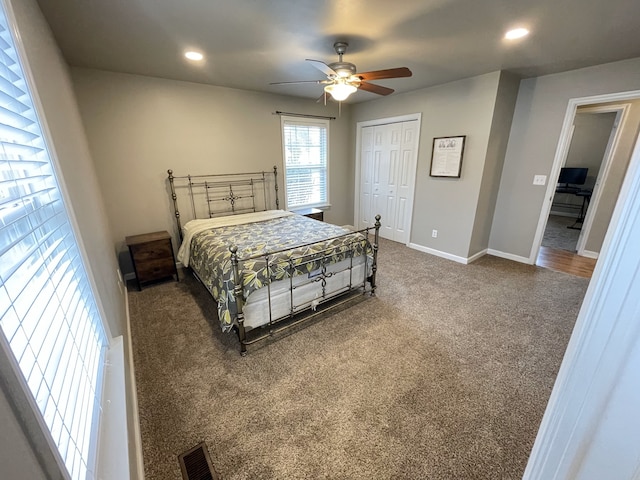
(586, 198)
(585, 194)
(567, 189)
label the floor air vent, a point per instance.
(196, 464)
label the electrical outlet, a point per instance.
(539, 179)
(434, 233)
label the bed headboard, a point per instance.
(208, 196)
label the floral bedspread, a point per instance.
(211, 258)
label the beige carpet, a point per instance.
(444, 375)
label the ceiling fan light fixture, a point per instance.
(340, 91)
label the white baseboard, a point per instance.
(476, 256)
(589, 254)
(133, 399)
(448, 256)
(509, 256)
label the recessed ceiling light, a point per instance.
(195, 56)
(516, 33)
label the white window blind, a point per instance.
(305, 145)
(48, 313)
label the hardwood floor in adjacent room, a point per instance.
(565, 261)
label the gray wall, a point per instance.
(138, 127)
(496, 149)
(448, 205)
(588, 144)
(60, 112)
(615, 177)
(540, 110)
(17, 458)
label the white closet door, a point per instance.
(388, 161)
(366, 178)
(389, 171)
(377, 173)
(406, 172)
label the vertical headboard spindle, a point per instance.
(193, 203)
(275, 180)
(174, 197)
(206, 193)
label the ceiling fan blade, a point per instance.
(323, 67)
(373, 88)
(299, 81)
(388, 73)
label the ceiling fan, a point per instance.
(342, 79)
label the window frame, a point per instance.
(284, 119)
(17, 389)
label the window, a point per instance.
(306, 145)
(48, 314)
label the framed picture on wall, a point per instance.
(446, 156)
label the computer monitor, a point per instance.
(573, 175)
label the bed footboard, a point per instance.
(307, 309)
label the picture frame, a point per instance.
(446, 156)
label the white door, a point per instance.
(388, 185)
(377, 206)
(388, 163)
(406, 180)
(366, 179)
(377, 144)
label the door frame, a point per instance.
(561, 154)
(621, 111)
(385, 121)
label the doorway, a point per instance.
(608, 180)
(590, 151)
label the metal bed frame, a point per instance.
(240, 193)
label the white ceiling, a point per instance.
(250, 43)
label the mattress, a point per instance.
(287, 261)
(305, 293)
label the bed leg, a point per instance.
(374, 266)
(242, 337)
(237, 292)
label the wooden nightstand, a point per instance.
(314, 213)
(152, 256)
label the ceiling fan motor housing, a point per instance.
(343, 69)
